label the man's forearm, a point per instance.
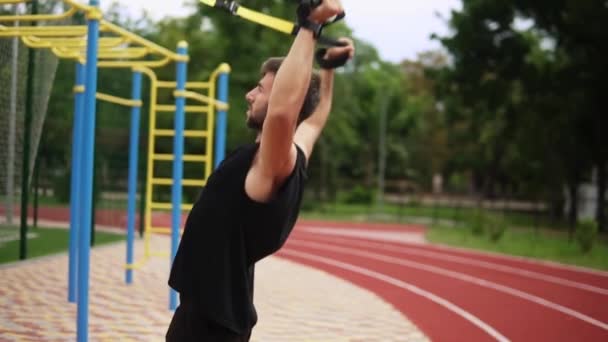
(321, 113)
(293, 78)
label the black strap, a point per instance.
(230, 6)
(303, 12)
(314, 27)
(304, 9)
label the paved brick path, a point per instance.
(295, 303)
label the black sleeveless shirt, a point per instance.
(226, 233)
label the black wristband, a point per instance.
(303, 12)
(315, 28)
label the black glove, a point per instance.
(303, 12)
(329, 63)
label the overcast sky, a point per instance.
(399, 29)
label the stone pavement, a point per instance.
(294, 302)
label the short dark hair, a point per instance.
(311, 100)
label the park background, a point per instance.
(493, 140)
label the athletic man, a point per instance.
(251, 202)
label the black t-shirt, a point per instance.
(226, 233)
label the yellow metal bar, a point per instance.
(164, 132)
(66, 54)
(39, 17)
(125, 53)
(118, 100)
(165, 108)
(194, 182)
(161, 206)
(187, 157)
(195, 158)
(197, 85)
(163, 157)
(80, 6)
(133, 64)
(151, 145)
(167, 84)
(160, 230)
(104, 42)
(187, 133)
(71, 54)
(211, 124)
(222, 68)
(37, 42)
(137, 265)
(196, 134)
(201, 98)
(144, 42)
(189, 85)
(8, 2)
(162, 181)
(185, 182)
(169, 206)
(133, 266)
(43, 31)
(188, 109)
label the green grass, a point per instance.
(410, 213)
(52, 201)
(542, 244)
(43, 241)
(389, 212)
(525, 235)
(47, 201)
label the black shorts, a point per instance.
(188, 325)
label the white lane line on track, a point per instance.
(531, 261)
(457, 275)
(378, 235)
(548, 263)
(485, 264)
(406, 286)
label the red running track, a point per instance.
(458, 295)
(450, 294)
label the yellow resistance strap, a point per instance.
(274, 23)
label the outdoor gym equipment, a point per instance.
(119, 48)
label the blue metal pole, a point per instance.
(178, 153)
(75, 183)
(86, 190)
(133, 149)
(222, 121)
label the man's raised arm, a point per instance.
(310, 129)
(277, 155)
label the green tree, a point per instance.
(531, 95)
